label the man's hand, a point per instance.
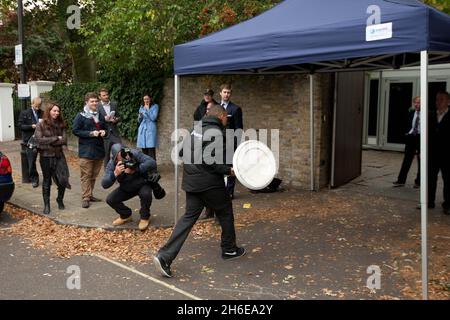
(33, 126)
(95, 133)
(129, 171)
(119, 169)
(154, 177)
(102, 133)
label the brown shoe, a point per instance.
(85, 204)
(119, 221)
(143, 224)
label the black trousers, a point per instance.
(412, 148)
(150, 152)
(48, 166)
(231, 183)
(437, 164)
(220, 202)
(116, 201)
(31, 159)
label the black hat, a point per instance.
(208, 92)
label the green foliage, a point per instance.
(443, 5)
(45, 54)
(128, 87)
(70, 98)
(134, 32)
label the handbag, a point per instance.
(32, 142)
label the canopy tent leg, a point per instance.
(311, 126)
(176, 120)
(424, 167)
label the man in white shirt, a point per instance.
(109, 111)
(412, 147)
(235, 122)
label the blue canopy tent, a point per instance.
(314, 36)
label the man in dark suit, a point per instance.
(439, 150)
(412, 146)
(108, 109)
(234, 123)
(28, 120)
(208, 97)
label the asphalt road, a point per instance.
(277, 267)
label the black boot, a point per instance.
(46, 196)
(60, 198)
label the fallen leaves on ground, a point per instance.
(67, 241)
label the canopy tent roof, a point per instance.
(320, 36)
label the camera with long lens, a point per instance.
(158, 191)
(128, 159)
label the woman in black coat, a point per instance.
(51, 137)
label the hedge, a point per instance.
(70, 98)
(125, 88)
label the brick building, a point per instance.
(268, 102)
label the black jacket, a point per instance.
(26, 120)
(234, 117)
(131, 183)
(111, 128)
(204, 176)
(200, 112)
(439, 138)
(89, 147)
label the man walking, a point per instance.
(28, 120)
(89, 127)
(108, 109)
(235, 122)
(204, 186)
(439, 150)
(412, 147)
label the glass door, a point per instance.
(399, 95)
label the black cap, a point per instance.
(208, 92)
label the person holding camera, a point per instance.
(136, 174)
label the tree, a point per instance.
(52, 50)
(443, 5)
(44, 53)
(136, 33)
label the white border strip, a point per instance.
(162, 283)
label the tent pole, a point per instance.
(424, 167)
(176, 116)
(311, 126)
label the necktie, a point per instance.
(416, 125)
(36, 116)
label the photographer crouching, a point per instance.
(137, 176)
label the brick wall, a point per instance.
(268, 102)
